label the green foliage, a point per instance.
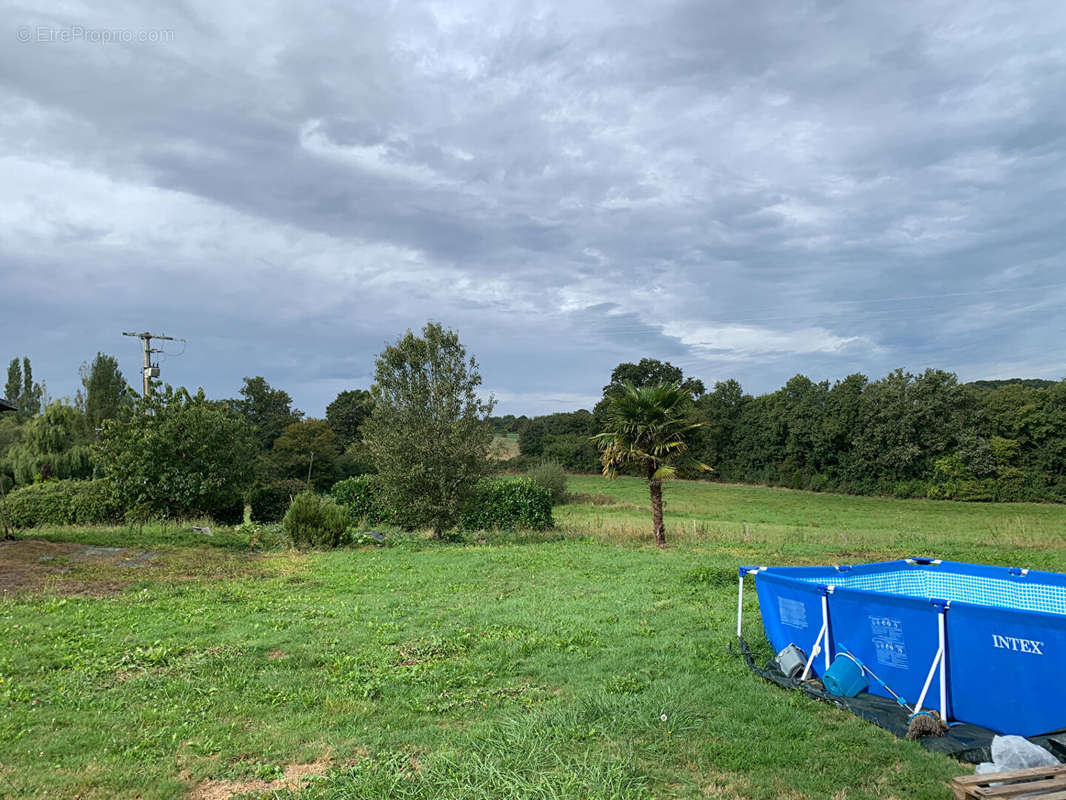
(21, 391)
(179, 455)
(508, 504)
(347, 413)
(315, 520)
(13, 386)
(363, 497)
(269, 503)
(106, 393)
(356, 460)
(887, 436)
(508, 423)
(576, 453)
(551, 476)
(267, 411)
(428, 433)
(67, 502)
(559, 432)
(648, 428)
(54, 444)
(495, 504)
(307, 446)
(649, 372)
(11, 428)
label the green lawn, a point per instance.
(581, 663)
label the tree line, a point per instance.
(924, 435)
(907, 435)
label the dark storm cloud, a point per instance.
(745, 189)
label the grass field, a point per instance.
(582, 663)
(504, 446)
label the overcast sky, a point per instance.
(747, 189)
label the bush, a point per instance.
(178, 456)
(550, 475)
(316, 521)
(228, 512)
(69, 502)
(363, 498)
(910, 488)
(269, 503)
(508, 504)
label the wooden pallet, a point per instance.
(1042, 783)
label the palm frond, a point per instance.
(648, 427)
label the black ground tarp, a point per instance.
(963, 741)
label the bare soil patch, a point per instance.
(27, 565)
(295, 775)
(30, 566)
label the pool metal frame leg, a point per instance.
(938, 662)
(742, 571)
(823, 635)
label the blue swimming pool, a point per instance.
(985, 645)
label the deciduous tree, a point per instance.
(429, 433)
(348, 412)
(178, 455)
(266, 410)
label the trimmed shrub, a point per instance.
(269, 503)
(316, 521)
(550, 475)
(363, 497)
(508, 504)
(68, 502)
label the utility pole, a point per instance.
(150, 370)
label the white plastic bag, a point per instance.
(1015, 752)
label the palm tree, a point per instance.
(650, 429)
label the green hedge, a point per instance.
(269, 503)
(509, 504)
(501, 504)
(362, 497)
(67, 502)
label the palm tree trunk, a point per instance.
(655, 489)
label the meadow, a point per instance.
(159, 662)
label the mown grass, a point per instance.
(576, 664)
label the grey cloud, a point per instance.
(569, 186)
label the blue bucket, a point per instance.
(844, 678)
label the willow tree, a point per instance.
(54, 444)
(650, 430)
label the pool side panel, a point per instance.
(894, 635)
(1006, 668)
(791, 613)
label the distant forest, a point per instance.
(904, 435)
